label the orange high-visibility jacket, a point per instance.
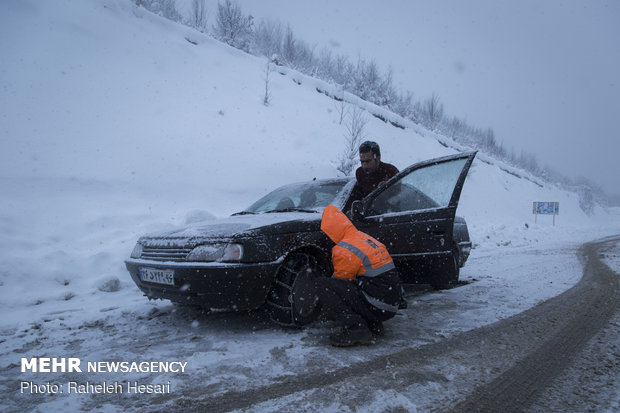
(355, 253)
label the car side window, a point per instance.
(428, 187)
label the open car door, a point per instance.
(413, 215)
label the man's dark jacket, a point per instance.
(368, 182)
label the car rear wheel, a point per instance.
(292, 300)
(441, 282)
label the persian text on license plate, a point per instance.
(157, 276)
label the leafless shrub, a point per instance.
(355, 134)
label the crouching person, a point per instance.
(365, 288)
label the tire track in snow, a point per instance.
(504, 366)
(587, 307)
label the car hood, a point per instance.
(224, 229)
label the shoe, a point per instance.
(377, 329)
(351, 336)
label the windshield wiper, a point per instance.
(292, 210)
(244, 213)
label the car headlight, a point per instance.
(209, 252)
(217, 252)
(137, 251)
(233, 252)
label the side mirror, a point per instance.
(357, 210)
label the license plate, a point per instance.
(157, 276)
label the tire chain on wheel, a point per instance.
(280, 298)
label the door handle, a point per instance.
(441, 235)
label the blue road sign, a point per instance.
(546, 208)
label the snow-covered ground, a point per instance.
(113, 124)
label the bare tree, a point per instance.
(366, 79)
(586, 199)
(432, 111)
(488, 140)
(455, 128)
(165, 8)
(198, 17)
(268, 39)
(324, 64)
(342, 71)
(232, 27)
(268, 70)
(528, 162)
(403, 105)
(355, 134)
(289, 47)
(341, 106)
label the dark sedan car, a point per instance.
(255, 256)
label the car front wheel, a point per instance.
(292, 300)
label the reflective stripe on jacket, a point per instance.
(359, 256)
(355, 253)
(380, 256)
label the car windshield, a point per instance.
(305, 197)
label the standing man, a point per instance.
(370, 175)
(373, 172)
(365, 288)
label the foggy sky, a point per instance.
(542, 75)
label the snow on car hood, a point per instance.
(223, 228)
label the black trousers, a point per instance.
(343, 300)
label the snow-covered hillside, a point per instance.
(115, 122)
